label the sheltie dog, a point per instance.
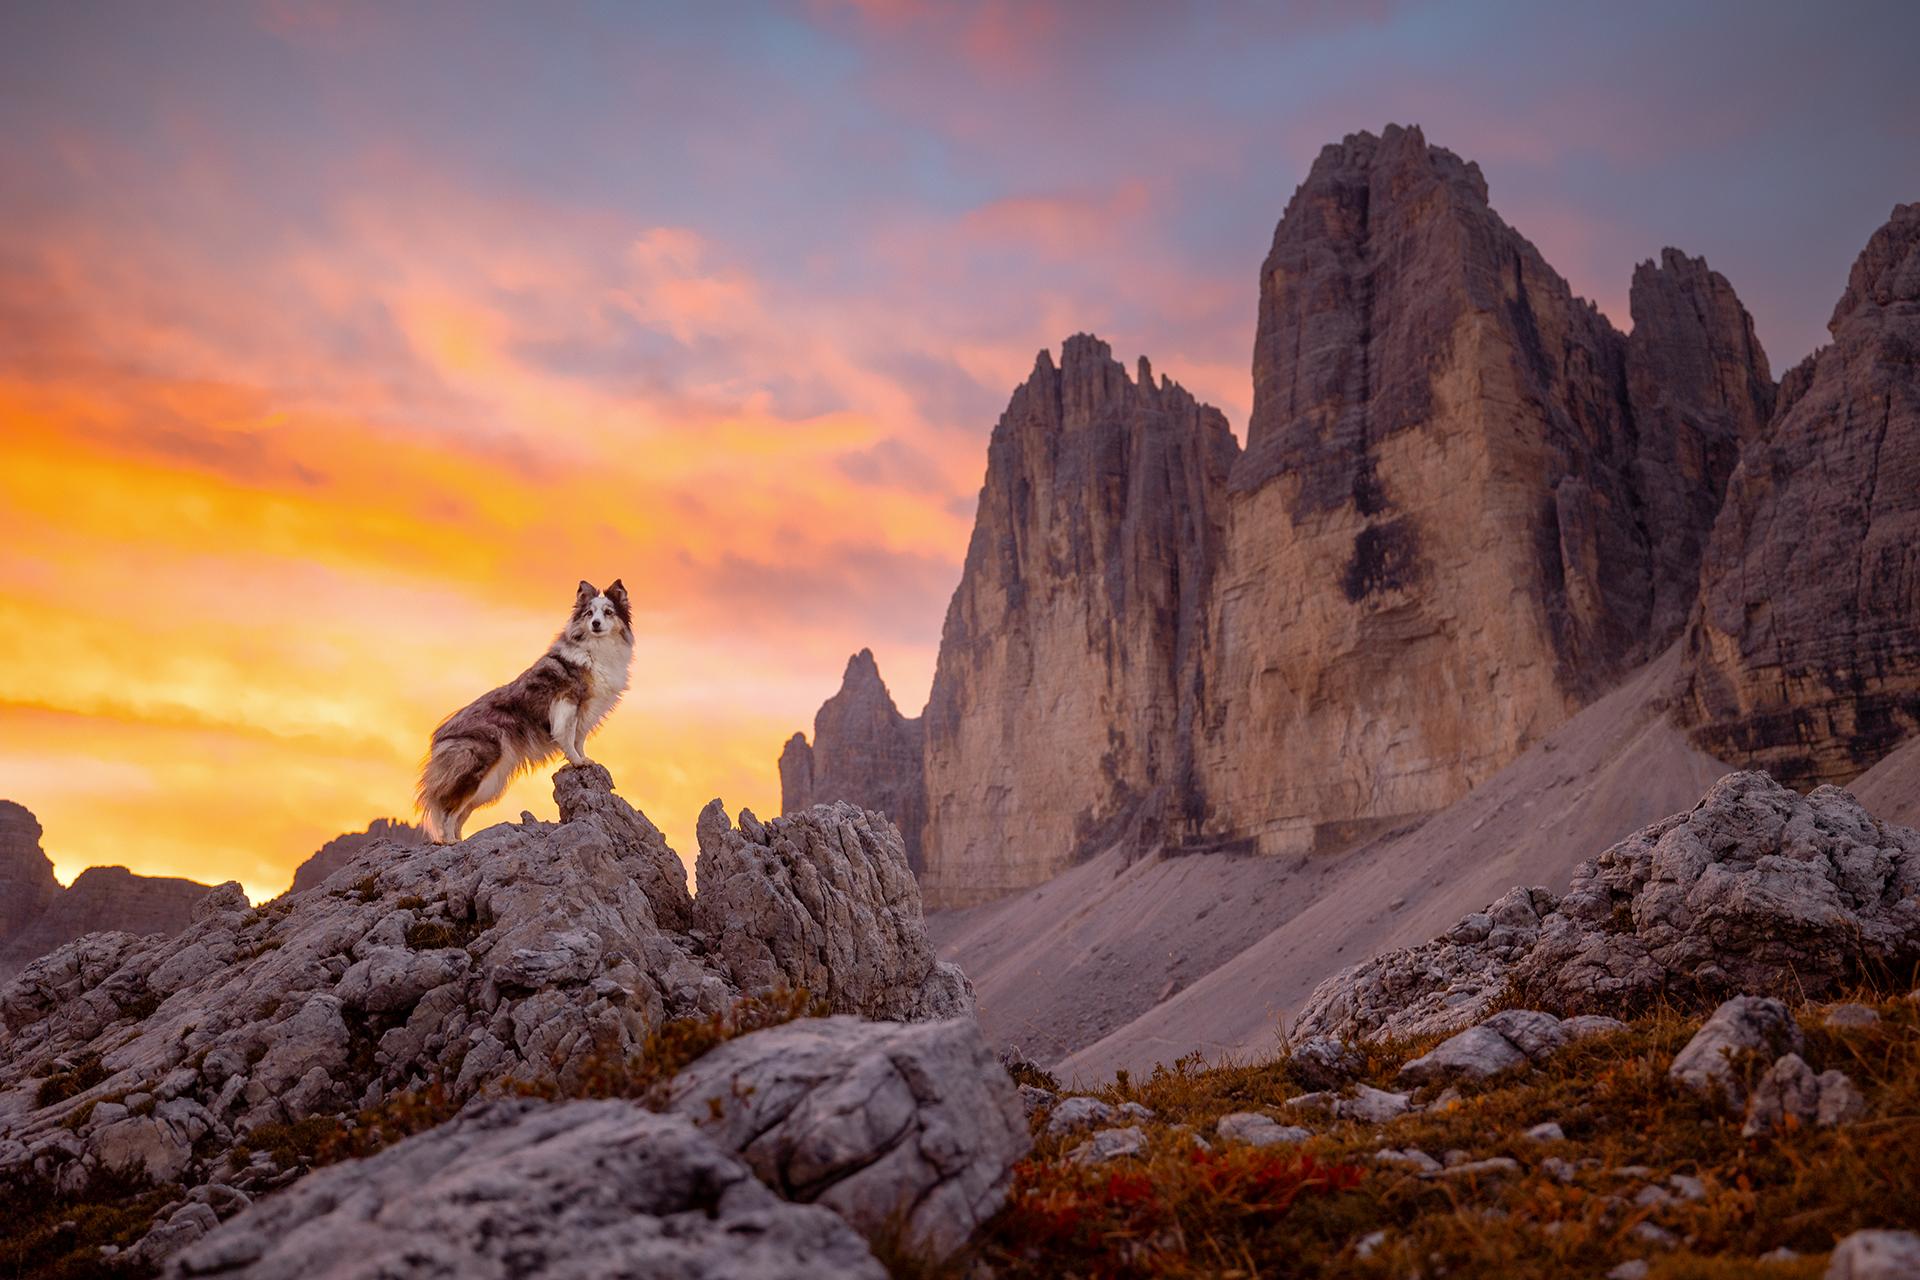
(549, 710)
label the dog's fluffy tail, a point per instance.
(448, 780)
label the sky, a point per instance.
(338, 341)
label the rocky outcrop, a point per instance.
(530, 951)
(1069, 661)
(1757, 890)
(822, 901)
(37, 915)
(26, 873)
(532, 1189)
(912, 1127)
(1462, 488)
(343, 849)
(863, 751)
(1805, 658)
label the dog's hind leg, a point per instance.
(491, 785)
(564, 724)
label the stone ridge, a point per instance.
(27, 883)
(864, 751)
(1804, 658)
(1070, 655)
(342, 849)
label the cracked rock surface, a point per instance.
(1757, 889)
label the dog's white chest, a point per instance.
(606, 678)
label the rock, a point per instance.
(1757, 889)
(1744, 1023)
(529, 951)
(37, 915)
(1368, 1244)
(1084, 594)
(1319, 1100)
(1804, 659)
(1412, 1158)
(1372, 1106)
(1632, 1269)
(1109, 1144)
(1322, 1062)
(1876, 1255)
(1492, 1166)
(352, 849)
(1034, 1099)
(1850, 1017)
(1559, 1170)
(538, 1190)
(1458, 476)
(1259, 1130)
(1076, 1113)
(1546, 1132)
(823, 901)
(1473, 1054)
(914, 1125)
(863, 752)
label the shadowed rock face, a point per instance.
(1466, 506)
(37, 915)
(1069, 662)
(342, 849)
(1805, 658)
(863, 751)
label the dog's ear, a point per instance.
(617, 593)
(586, 592)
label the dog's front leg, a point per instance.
(564, 725)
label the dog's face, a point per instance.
(599, 613)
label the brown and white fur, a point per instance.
(549, 710)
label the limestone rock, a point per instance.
(1059, 720)
(1449, 497)
(343, 850)
(529, 950)
(1805, 657)
(864, 752)
(531, 1189)
(1876, 1255)
(823, 900)
(1756, 889)
(37, 915)
(915, 1123)
(1744, 1024)
(1372, 1106)
(1260, 1130)
(1475, 1053)
(1078, 1112)
(1791, 1089)
(1110, 1144)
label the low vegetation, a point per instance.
(1571, 1207)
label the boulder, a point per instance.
(1754, 1024)
(1757, 889)
(1791, 1090)
(1259, 1130)
(1110, 1144)
(1876, 1255)
(913, 1126)
(523, 1188)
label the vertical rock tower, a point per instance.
(1805, 658)
(1455, 520)
(1069, 661)
(864, 751)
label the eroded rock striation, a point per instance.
(1805, 659)
(527, 952)
(37, 915)
(1757, 890)
(863, 751)
(532, 1189)
(1467, 503)
(1069, 660)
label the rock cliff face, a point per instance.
(26, 873)
(863, 751)
(1457, 517)
(1805, 658)
(1069, 662)
(342, 849)
(37, 915)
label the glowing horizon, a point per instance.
(337, 342)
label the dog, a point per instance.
(548, 711)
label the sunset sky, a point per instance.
(337, 342)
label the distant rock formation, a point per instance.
(1805, 659)
(1069, 660)
(1467, 503)
(37, 915)
(342, 849)
(863, 751)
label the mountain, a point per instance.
(1805, 659)
(862, 746)
(37, 915)
(342, 849)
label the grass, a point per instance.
(58, 1086)
(53, 1235)
(1303, 1210)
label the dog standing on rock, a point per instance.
(549, 710)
